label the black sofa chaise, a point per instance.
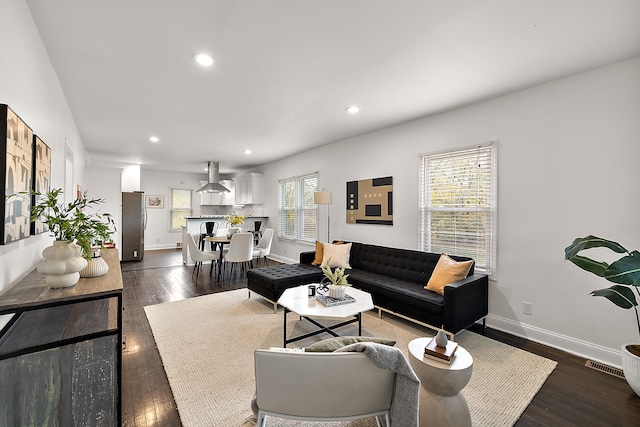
(395, 278)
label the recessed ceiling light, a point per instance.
(352, 109)
(203, 59)
(154, 139)
(247, 151)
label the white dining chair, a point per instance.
(240, 251)
(199, 256)
(263, 248)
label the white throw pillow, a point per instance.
(339, 255)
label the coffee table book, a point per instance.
(441, 354)
(330, 302)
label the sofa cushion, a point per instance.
(319, 253)
(285, 276)
(336, 255)
(447, 271)
(332, 344)
(385, 288)
(404, 264)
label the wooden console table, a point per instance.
(61, 351)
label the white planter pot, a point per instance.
(96, 267)
(62, 264)
(336, 291)
(631, 368)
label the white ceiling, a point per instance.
(286, 69)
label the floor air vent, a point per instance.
(604, 368)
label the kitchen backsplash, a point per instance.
(251, 210)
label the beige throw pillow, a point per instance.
(447, 271)
(339, 255)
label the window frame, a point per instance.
(297, 220)
(173, 209)
(486, 185)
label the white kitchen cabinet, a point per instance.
(219, 198)
(249, 189)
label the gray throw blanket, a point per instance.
(404, 404)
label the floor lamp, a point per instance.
(324, 197)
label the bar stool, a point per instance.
(207, 229)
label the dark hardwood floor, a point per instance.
(574, 395)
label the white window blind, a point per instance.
(458, 204)
(298, 214)
(180, 208)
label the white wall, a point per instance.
(106, 184)
(567, 167)
(157, 234)
(30, 87)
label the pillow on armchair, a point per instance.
(332, 344)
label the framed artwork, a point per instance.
(41, 179)
(154, 202)
(17, 159)
(370, 201)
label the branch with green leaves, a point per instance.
(336, 276)
(625, 272)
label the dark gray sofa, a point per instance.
(395, 278)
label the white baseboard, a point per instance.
(566, 343)
(159, 247)
(282, 259)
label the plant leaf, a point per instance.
(625, 271)
(582, 243)
(595, 267)
(619, 295)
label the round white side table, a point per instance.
(441, 403)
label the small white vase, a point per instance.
(233, 231)
(96, 267)
(337, 291)
(631, 368)
(62, 264)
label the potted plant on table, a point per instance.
(235, 222)
(337, 278)
(625, 272)
(75, 232)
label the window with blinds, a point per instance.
(298, 214)
(180, 208)
(458, 204)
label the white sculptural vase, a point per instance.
(62, 264)
(337, 291)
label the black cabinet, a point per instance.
(61, 351)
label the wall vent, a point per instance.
(616, 372)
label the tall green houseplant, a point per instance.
(625, 272)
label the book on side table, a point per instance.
(330, 302)
(441, 354)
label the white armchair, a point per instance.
(321, 386)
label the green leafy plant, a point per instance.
(337, 276)
(69, 222)
(625, 272)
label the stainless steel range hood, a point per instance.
(213, 186)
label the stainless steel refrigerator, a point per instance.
(133, 224)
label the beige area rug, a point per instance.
(207, 343)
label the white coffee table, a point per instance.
(297, 300)
(441, 403)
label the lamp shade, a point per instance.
(322, 197)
